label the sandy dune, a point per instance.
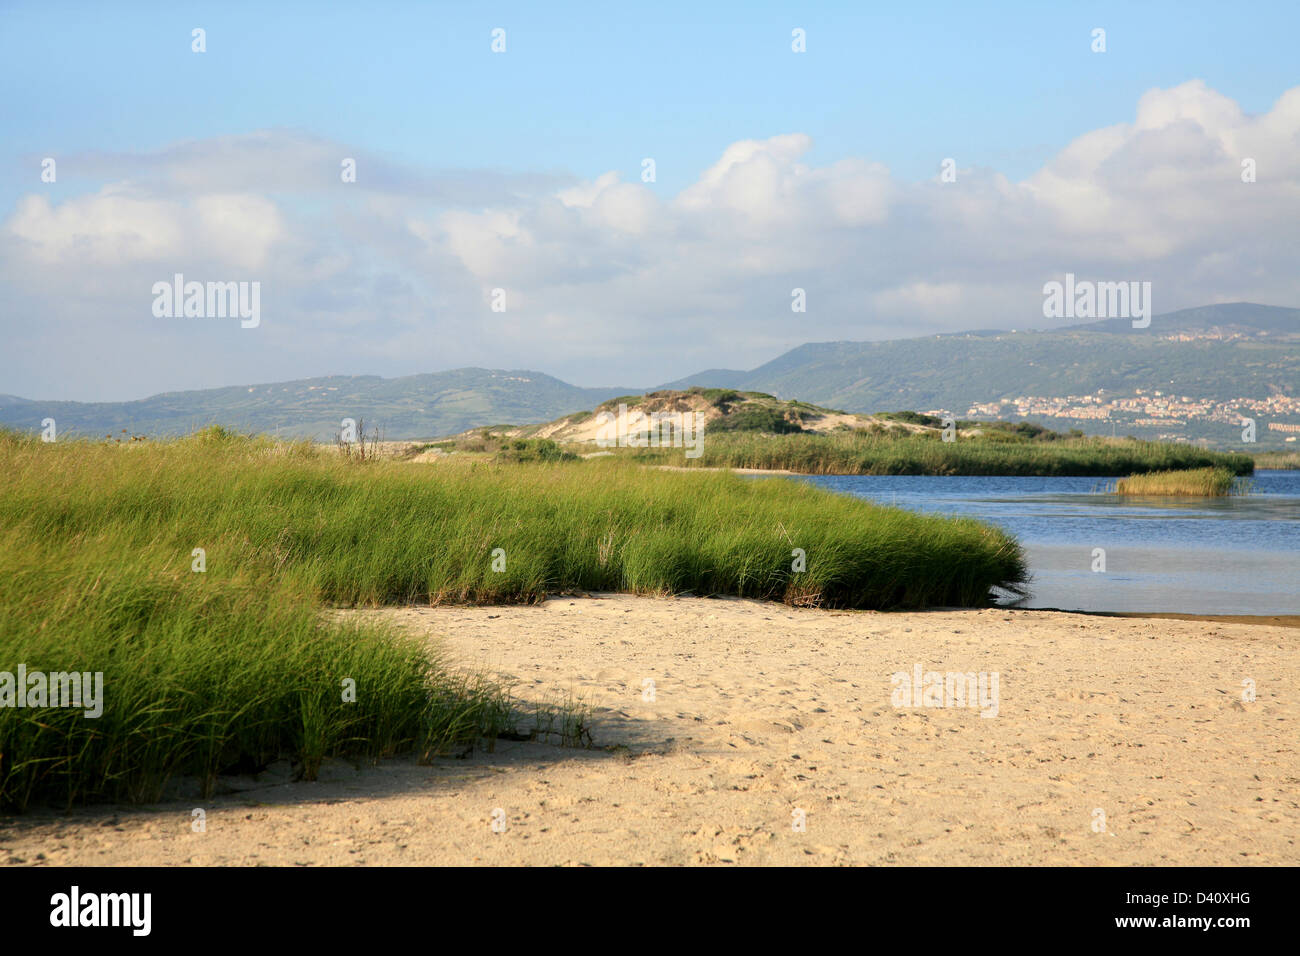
(759, 711)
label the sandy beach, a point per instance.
(1116, 740)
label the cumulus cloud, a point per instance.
(610, 282)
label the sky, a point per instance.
(524, 171)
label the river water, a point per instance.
(1234, 555)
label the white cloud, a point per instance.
(115, 227)
(611, 282)
(103, 230)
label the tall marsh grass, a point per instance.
(1202, 482)
(857, 453)
(1283, 460)
(232, 667)
(392, 532)
(202, 677)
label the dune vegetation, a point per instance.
(233, 666)
(1202, 482)
(755, 430)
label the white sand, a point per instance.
(761, 710)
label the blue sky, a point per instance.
(582, 91)
(586, 88)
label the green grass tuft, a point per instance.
(1204, 482)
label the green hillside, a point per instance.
(1230, 353)
(1220, 353)
(414, 406)
(953, 371)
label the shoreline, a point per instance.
(1268, 620)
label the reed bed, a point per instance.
(203, 676)
(230, 668)
(1282, 460)
(865, 454)
(1201, 482)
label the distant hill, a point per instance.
(413, 406)
(711, 378)
(1244, 318)
(1233, 351)
(1217, 353)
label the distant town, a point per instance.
(1279, 414)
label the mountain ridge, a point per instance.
(1218, 353)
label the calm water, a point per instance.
(1236, 555)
